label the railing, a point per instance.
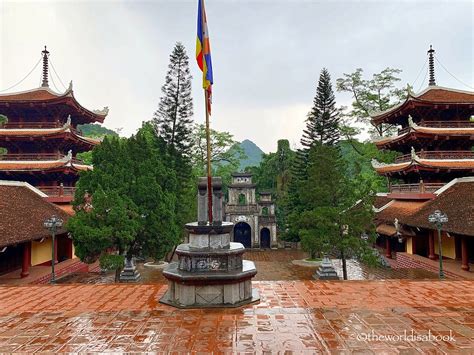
(57, 191)
(37, 157)
(37, 125)
(440, 124)
(442, 154)
(33, 125)
(416, 188)
(447, 124)
(403, 130)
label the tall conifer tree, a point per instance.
(173, 119)
(174, 124)
(322, 124)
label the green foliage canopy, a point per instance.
(133, 197)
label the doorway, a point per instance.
(243, 234)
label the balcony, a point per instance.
(58, 194)
(420, 191)
(32, 125)
(442, 154)
(38, 157)
(440, 124)
(416, 188)
(38, 125)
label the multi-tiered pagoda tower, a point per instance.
(434, 171)
(42, 139)
(435, 139)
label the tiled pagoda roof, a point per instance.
(416, 131)
(399, 209)
(23, 211)
(65, 163)
(18, 133)
(432, 95)
(460, 214)
(417, 163)
(47, 96)
(414, 213)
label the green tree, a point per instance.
(93, 130)
(226, 153)
(357, 157)
(373, 95)
(173, 123)
(133, 210)
(328, 203)
(173, 119)
(322, 124)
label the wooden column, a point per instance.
(431, 242)
(464, 258)
(26, 262)
(388, 248)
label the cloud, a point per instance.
(267, 55)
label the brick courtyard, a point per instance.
(292, 315)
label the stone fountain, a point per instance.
(210, 271)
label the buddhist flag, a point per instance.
(203, 53)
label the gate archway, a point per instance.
(265, 238)
(243, 234)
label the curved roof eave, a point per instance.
(377, 116)
(46, 95)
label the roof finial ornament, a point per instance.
(45, 68)
(414, 156)
(432, 81)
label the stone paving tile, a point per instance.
(272, 265)
(296, 316)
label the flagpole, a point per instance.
(209, 172)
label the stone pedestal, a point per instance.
(210, 271)
(326, 271)
(129, 272)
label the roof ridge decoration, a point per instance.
(67, 158)
(103, 112)
(414, 156)
(377, 164)
(380, 209)
(68, 122)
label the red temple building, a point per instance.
(42, 139)
(39, 171)
(435, 141)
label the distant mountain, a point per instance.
(95, 130)
(253, 153)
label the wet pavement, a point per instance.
(391, 316)
(272, 265)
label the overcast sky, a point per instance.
(267, 55)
